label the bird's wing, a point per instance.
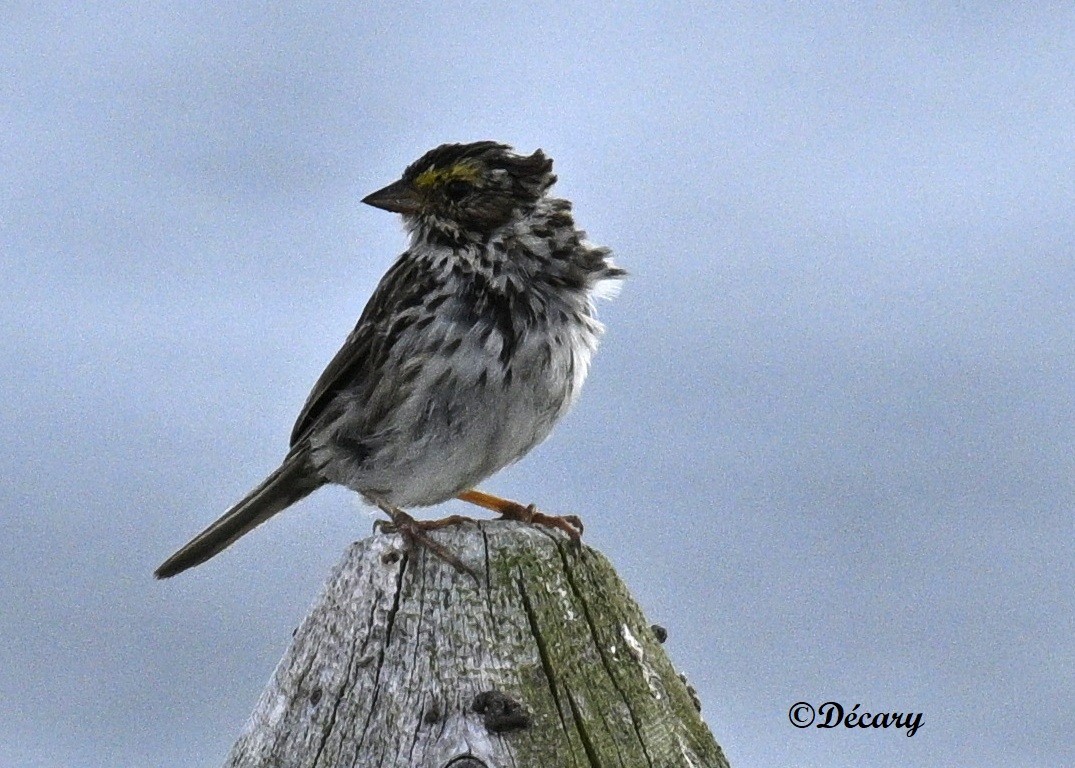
(361, 360)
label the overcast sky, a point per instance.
(829, 441)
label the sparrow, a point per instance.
(473, 346)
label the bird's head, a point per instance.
(466, 191)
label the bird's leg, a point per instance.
(513, 510)
(414, 534)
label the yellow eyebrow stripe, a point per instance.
(437, 176)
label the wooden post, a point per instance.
(405, 662)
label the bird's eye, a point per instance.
(457, 189)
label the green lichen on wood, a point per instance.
(399, 645)
(616, 694)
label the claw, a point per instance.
(415, 536)
(569, 524)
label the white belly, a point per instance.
(459, 429)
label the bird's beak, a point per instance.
(398, 197)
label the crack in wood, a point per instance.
(602, 653)
(331, 723)
(414, 664)
(584, 735)
(398, 662)
(389, 622)
(543, 651)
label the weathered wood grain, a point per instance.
(405, 662)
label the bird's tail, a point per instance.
(293, 480)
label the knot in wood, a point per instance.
(465, 761)
(500, 712)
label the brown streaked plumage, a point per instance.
(473, 345)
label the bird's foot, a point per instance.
(513, 510)
(569, 524)
(415, 534)
(389, 526)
